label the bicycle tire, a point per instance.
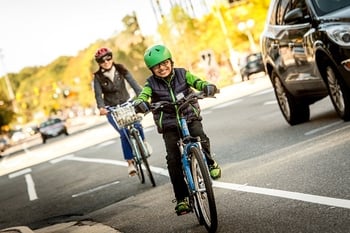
(143, 153)
(137, 161)
(204, 195)
(195, 203)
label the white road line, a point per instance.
(228, 104)
(60, 159)
(107, 161)
(29, 181)
(323, 128)
(263, 92)
(270, 102)
(206, 112)
(31, 187)
(105, 143)
(148, 129)
(20, 173)
(95, 189)
(329, 201)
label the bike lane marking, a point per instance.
(314, 131)
(31, 187)
(329, 201)
(29, 181)
(95, 189)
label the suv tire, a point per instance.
(293, 111)
(338, 93)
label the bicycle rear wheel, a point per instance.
(144, 155)
(137, 161)
(204, 195)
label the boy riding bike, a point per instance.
(165, 83)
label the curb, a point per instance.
(19, 229)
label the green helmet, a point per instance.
(155, 55)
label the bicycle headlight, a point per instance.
(340, 34)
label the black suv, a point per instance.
(306, 53)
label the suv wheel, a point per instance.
(294, 112)
(338, 93)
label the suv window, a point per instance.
(285, 6)
(326, 6)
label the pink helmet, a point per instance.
(100, 53)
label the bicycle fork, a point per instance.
(186, 163)
(184, 151)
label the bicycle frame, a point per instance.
(185, 143)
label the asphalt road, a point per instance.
(276, 178)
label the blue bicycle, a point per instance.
(195, 169)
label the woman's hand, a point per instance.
(103, 111)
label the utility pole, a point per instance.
(233, 55)
(11, 94)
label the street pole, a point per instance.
(233, 56)
(245, 28)
(11, 94)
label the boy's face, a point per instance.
(162, 69)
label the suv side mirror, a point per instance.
(294, 16)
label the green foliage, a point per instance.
(6, 112)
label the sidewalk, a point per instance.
(226, 94)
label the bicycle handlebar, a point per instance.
(182, 101)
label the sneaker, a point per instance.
(131, 170)
(182, 207)
(215, 171)
(149, 148)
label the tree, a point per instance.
(6, 112)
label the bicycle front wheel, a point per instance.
(137, 161)
(144, 155)
(204, 193)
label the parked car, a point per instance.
(253, 63)
(306, 53)
(53, 127)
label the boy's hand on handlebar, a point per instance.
(141, 106)
(210, 90)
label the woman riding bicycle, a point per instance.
(165, 83)
(110, 90)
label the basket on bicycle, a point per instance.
(125, 114)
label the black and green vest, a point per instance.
(164, 90)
